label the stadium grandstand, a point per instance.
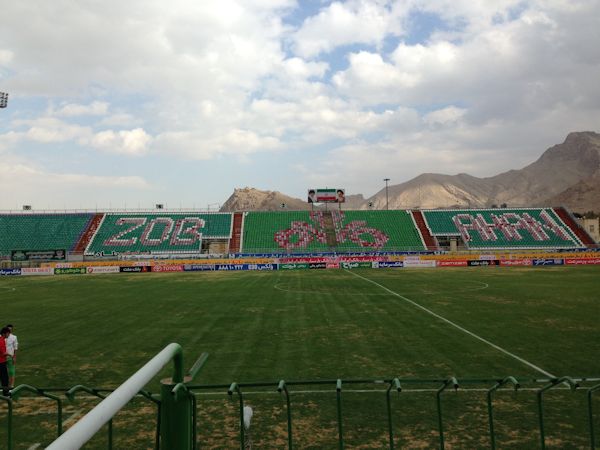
(22, 232)
(164, 233)
(198, 233)
(528, 228)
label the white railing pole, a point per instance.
(76, 436)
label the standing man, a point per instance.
(3, 354)
(12, 345)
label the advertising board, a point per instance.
(483, 263)
(452, 263)
(293, 266)
(515, 262)
(320, 265)
(302, 260)
(262, 266)
(582, 261)
(135, 269)
(10, 272)
(168, 268)
(414, 263)
(231, 266)
(333, 265)
(69, 271)
(369, 258)
(198, 267)
(36, 271)
(102, 269)
(548, 262)
(387, 264)
(356, 265)
(39, 255)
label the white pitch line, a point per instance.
(481, 286)
(370, 391)
(449, 322)
(35, 446)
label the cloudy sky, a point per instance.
(126, 104)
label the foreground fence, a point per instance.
(177, 407)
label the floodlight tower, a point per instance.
(3, 99)
(386, 193)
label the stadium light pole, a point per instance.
(3, 99)
(386, 193)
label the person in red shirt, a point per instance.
(3, 369)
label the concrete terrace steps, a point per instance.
(430, 241)
(583, 235)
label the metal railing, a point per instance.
(396, 384)
(177, 410)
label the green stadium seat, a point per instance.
(41, 231)
(350, 231)
(521, 228)
(158, 233)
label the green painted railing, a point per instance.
(176, 418)
(285, 388)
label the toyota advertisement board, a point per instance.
(168, 268)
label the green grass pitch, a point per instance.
(265, 326)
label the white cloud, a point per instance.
(238, 142)
(50, 130)
(120, 119)
(48, 189)
(129, 142)
(344, 23)
(444, 116)
(212, 80)
(6, 56)
(298, 68)
(95, 108)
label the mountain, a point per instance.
(566, 174)
(432, 190)
(581, 197)
(558, 169)
(250, 199)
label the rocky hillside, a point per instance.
(546, 181)
(581, 197)
(566, 174)
(250, 199)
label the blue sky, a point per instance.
(143, 102)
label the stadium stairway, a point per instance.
(236, 236)
(430, 241)
(329, 229)
(567, 218)
(88, 233)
